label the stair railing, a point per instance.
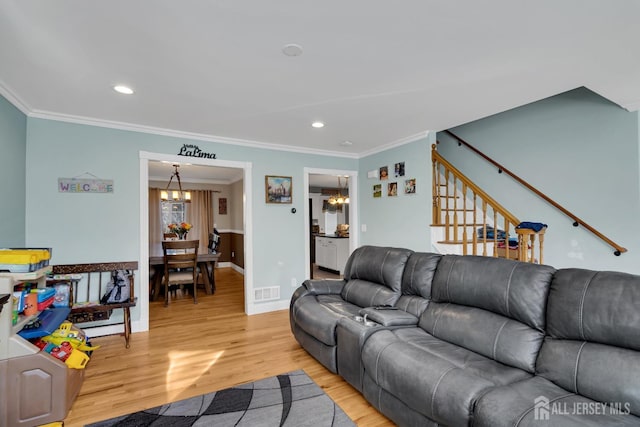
(576, 220)
(474, 212)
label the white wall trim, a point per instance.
(143, 261)
(268, 307)
(237, 268)
(229, 264)
(229, 230)
(354, 216)
(90, 121)
(143, 264)
(112, 124)
(115, 329)
(14, 99)
(394, 144)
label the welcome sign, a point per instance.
(75, 185)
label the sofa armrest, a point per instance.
(390, 317)
(324, 286)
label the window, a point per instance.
(173, 212)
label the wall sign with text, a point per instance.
(191, 150)
(75, 185)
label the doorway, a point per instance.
(145, 157)
(317, 176)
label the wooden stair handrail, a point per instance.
(576, 220)
(490, 200)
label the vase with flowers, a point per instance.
(180, 229)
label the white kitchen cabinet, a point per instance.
(332, 252)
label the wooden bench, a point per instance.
(88, 283)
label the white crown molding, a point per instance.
(68, 118)
(394, 144)
(40, 114)
(11, 96)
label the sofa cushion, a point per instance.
(595, 306)
(435, 378)
(600, 372)
(537, 402)
(492, 306)
(374, 275)
(513, 289)
(318, 315)
(593, 320)
(416, 282)
(492, 335)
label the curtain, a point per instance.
(155, 221)
(200, 215)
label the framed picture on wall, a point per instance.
(222, 206)
(278, 189)
(392, 189)
(377, 191)
(384, 173)
(410, 186)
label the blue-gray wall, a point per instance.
(404, 220)
(105, 227)
(13, 137)
(580, 150)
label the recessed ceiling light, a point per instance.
(317, 125)
(292, 49)
(123, 89)
(346, 143)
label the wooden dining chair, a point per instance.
(180, 266)
(169, 236)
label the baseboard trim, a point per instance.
(100, 331)
(268, 307)
(230, 265)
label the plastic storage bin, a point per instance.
(16, 260)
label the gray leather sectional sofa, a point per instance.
(477, 341)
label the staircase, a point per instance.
(467, 221)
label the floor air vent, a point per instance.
(265, 294)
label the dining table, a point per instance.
(206, 262)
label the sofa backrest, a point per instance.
(492, 306)
(416, 282)
(374, 275)
(593, 343)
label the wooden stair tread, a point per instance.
(461, 242)
(459, 225)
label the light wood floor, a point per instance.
(196, 349)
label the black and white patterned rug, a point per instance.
(291, 399)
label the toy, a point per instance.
(67, 332)
(63, 351)
(77, 360)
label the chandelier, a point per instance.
(339, 199)
(175, 195)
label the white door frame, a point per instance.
(354, 217)
(143, 263)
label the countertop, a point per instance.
(332, 236)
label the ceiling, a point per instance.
(378, 73)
